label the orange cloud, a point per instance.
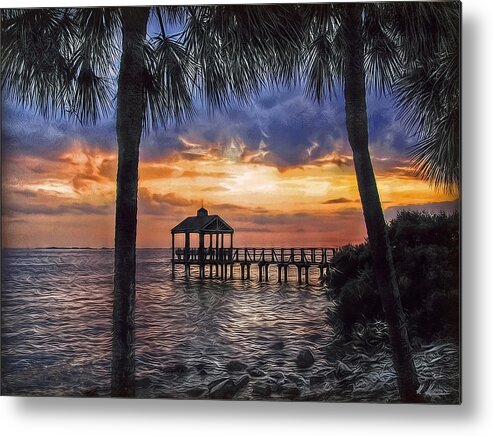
(57, 201)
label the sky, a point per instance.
(279, 170)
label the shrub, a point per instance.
(425, 249)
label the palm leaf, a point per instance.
(60, 61)
(239, 48)
(428, 103)
(168, 82)
(383, 63)
(36, 46)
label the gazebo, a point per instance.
(210, 250)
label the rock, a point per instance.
(278, 376)
(316, 380)
(295, 379)
(216, 382)
(255, 372)
(242, 381)
(203, 372)
(314, 336)
(278, 345)
(235, 366)
(291, 391)
(223, 390)
(305, 359)
(275, 387)
(196, 392)
(343, 370)
(261, 389)
(176, 368)
(90, 392)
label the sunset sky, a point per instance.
(279, 171)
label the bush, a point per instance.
(425, 249)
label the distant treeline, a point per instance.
(426, 255)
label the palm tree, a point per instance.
(428, 102)
(328, 46)
(63, 62)
(373, 44)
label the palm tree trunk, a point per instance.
(130, 107)
(357, 128)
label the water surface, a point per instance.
(56, 325)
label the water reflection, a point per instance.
(56, 332)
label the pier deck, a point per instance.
(220, 262)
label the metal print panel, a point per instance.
(248, 202)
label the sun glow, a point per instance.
(51, 201)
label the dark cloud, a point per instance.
(25, 132)
(338, 201)
(172, 199)
(64, 209)
(215, 189)
(294, 129)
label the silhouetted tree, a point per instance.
(353, 46)
(63, 62)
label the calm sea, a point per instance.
(56, 334)
(56, 325)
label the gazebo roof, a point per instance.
(203, 223)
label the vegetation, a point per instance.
(425, 249)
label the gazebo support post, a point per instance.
(210, 255)
(172, 255)
(201, 256)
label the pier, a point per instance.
(216, 257)
(220, 263)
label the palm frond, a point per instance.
(240, 47)
(172, 14)
(60, 61)
(383, 63)
(322, 68)
(436, 157)
(428, 103)
(90, 95)
(36, 47)
(168, 82)
(422, 29)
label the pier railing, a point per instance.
(306, 256)
(221, 262)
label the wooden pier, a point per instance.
(220, 263)
(214, 258)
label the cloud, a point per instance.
(63, 209)
(27, 133)
(172, 199)
(340, 200)
(215, 189)
(281, 127)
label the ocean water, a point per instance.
(56, 325)
(56, 334)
